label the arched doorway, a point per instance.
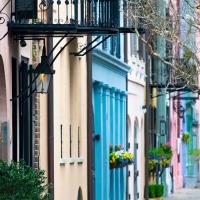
(80, 195)
(3, 114)
(136, 128)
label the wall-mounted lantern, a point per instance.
(43, 74)
(180, 110)
(195, 126)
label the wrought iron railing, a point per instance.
(102, 13)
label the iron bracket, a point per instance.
(89, 46)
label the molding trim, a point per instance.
(112, 62)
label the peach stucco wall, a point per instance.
(70, 108)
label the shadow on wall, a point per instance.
(3, 114)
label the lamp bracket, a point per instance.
(89, 46)
(179, 109)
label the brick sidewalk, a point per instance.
(185, 194)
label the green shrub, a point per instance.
(152, 193)
(21, 182)
(156, 190)
(159, 190)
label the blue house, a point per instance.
(190, 167)
(109, 109)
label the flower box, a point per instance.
(160, 157)
(119, 157)
(185, 137)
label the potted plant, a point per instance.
(185, 137)
(161, 156)
(119, 157)
(156, 191)
(159, 191)
(159, 159)
(152, 193)
(167, 154)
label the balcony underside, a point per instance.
(63, 29)
(174, 87)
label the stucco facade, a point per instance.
(5, 91)
(70, 125)
(11, 55)
(175, 142)
(109, 108)
(136, 110)
(70, 111)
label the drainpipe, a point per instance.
(50, 111)
(90, 179)
(147, 126)
(126, 61)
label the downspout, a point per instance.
(126, 61)
(127, 144)
(90, 120)
(50, 111)
(147, 126)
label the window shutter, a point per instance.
(25, 9)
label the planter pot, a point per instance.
(116, 165)
(156, 198)
(113, 166)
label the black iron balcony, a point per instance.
(66, 16)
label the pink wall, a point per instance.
(6, 48)
(175, 122)
(175, 142)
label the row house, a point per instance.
(136, 110)
(190, 99)
(118, 76)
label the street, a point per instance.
(185, 194)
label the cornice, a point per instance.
(111, 61)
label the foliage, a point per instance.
(119, 157)
(185, 137)
(21, 182)
(161, 155)
(164, 34)
(167, 151)
(156, 190)
(195, 154)
(152, 193)
(159, 190)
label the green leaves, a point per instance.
(186, 137)
(156, 190)
(195, 154)
(21, 182)
(161, 155)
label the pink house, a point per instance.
(175, 129)
(175, 141)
